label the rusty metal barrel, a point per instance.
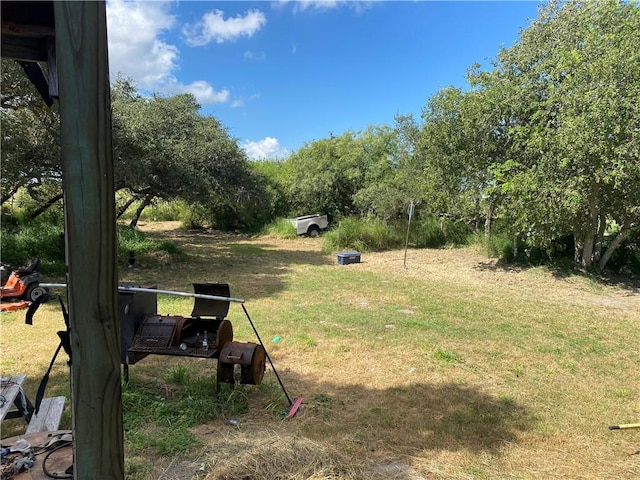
(242, 363)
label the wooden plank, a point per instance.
(9, 388)
(48, 416)
(24, 48)
(11, 405)
(27, 30)
(96, 391)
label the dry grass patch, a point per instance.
(454, 367)
(278, 455)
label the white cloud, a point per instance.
(241, 101)
(267, 148)
(300, 6)
(137, 50)
(200, 89)
(134, 46)
(214, 26)
(256, 56)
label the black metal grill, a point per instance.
(144, 332)
(155, 332)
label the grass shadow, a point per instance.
(417, 417)
(566, 270)
(253, 271)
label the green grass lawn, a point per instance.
(453, 367)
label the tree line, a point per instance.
(543, 146)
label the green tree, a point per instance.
(273, 174)
(153, 146)
(570, 89)
(380, 194)
(323, 176)
(164, 149)
(459, 142)
(451, 164)
(338, 175)
(405, 181)
(30, 148)
(235, 193)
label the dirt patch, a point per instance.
(471, 268)
(170, 226)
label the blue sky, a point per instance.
(280, 74)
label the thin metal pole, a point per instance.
(406, 244)
(155, 290)
(180, 294)
(406, 241)
(268, 357)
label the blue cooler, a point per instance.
(345, 258)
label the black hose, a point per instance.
(68, 473)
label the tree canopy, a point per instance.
(544, 144)
(339, 175)
(30, 138)
(163, 149)
(548, 139)
(570, 89)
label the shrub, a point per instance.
(626, 258)
(365, 234)
(499, 245)
(428, 233)
(37, 239)
(436, 232)
(158, 211)
(196, 217)
(457, 232)
(133, 240)
(45, 240)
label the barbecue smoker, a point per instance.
(206, 334)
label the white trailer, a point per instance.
(310, 225)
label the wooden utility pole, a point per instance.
(85, 116)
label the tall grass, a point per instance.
(133, 240)
(498, 245)
(158, 211)
(157, 416)
(361, 234)
(432, 232)
(36, 239)
(371, 234)
(166, 211)
(45, 240)
(281, 228)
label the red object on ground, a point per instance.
(11, 306)
(294, 408)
